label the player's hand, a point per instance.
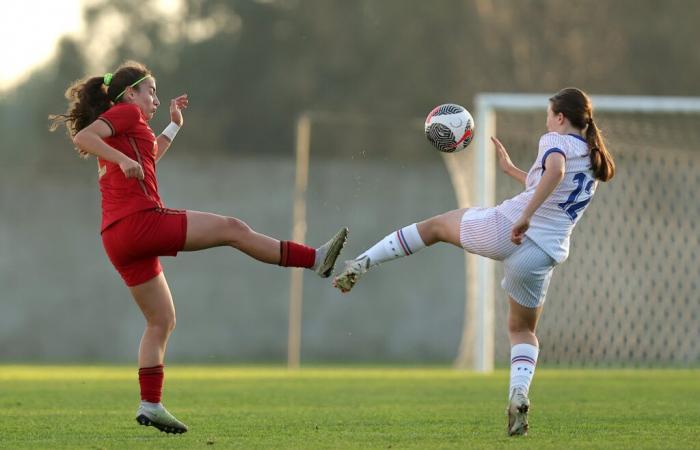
(131, 168)
(504, 161)
(517, 233)
(176, 106)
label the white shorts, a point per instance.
(527, 268)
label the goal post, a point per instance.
(296, 282)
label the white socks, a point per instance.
(523, 359)
(403, 242)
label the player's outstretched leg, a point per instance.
(206, 230)
(155, 415)
(403, 242)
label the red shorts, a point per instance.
(135, 242)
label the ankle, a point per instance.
(518, 390)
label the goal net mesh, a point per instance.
(628, 293)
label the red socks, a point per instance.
(151, 381)
(296, 255)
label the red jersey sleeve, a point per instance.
(121, 117)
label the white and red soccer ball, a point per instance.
(449, 127)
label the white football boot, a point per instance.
(518, 408)
(155, 415)
(351, 274)
(328, 253)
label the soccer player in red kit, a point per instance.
(108, 117)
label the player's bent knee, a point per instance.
(447, 230)
(431, 230)
(236, 230)
(165, 324)
(519, 327)
(171, 324)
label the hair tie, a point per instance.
(107, 79)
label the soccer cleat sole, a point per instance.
(517, 421)
(348, 278)
(346, 283)
(145, 421)
(328, 264)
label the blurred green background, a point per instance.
(251, 68)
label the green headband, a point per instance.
(131, 85)
(107, 78)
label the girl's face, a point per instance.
(554, 122)
(144, 96)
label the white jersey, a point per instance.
(553, 222)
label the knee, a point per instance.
(520, 333)
(171, 324)
(236, 230)
(432, 230)
(517, 326)
(163, 323)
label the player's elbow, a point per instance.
(558, 174)
(79, 139)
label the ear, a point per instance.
(560, 118)
(130, 93)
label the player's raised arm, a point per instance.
(506, 164)
(176, 121)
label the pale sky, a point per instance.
(29, 32)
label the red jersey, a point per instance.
(132, 136)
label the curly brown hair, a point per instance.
(90, 97)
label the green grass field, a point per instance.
(74, 407)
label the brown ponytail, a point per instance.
(90, 97)
(602, 162)
(576, 106)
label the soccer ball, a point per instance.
(449, 127)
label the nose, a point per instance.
(156, 101)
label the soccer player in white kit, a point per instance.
(530, 232)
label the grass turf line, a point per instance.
(258, 407)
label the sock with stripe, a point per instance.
(523, 359)
(400, 243)
(151, 382)
(296, 255)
